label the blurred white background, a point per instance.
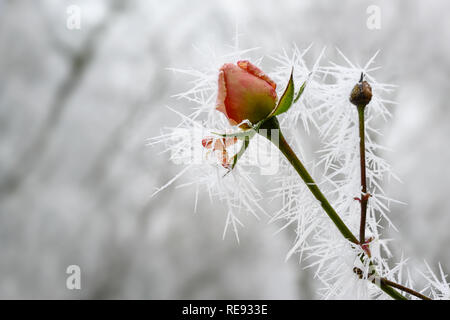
(76, 107)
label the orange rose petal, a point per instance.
(207, 142)
(230, 141)
(221, 94)
(254, 70)
(225, 162)
(219, 146)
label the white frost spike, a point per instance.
(170, 182)
(439, 288)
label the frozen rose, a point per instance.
(245, 93)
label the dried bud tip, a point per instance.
(358, 272)
(361, 93)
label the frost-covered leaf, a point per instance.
(286, 99)
(299, 93)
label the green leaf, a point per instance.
(302, 88)
(286, 99)
(238, 155)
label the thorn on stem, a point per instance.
(365, 197)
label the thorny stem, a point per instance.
(361, 98)
(284, 147)
(364, 195)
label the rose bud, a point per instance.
(361, 93)
(245, 93)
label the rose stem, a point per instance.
(290, 155)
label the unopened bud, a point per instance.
(361, 93)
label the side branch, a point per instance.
(405, 289)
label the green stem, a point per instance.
(311, 184)
(290, 155)
(272, 124)
(394, 294)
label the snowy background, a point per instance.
(76, 108)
